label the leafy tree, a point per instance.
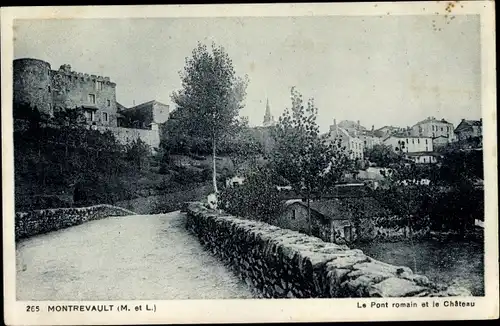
(257, 198)
(382, 155)
(310, 162)
(460, 199)
(210, 100)
(407, 196)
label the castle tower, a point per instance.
(268, 118)
(33, 84)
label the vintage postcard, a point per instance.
(249, 163)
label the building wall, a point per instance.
(411, 144)
(469, 132)
(423, 159)
(71, 90)
(129, 135)
(354, 145)
(37, 85)
(370, 141)
(32, 84)
(433, 128)
(294, 218)
(161, 112)
(439, 142)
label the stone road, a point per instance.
(148, 257)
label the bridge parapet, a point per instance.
(35, 222)
(281, 263)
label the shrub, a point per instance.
(257, 198)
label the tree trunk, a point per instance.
(412, 244)
(332, 232)
(214, 174)
(309, 214)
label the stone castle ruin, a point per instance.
(37, 85)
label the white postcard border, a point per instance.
(293, 310)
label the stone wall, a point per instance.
(72, 89)
(32, 84)
(42, 221)
(128, 135)
(281, 263)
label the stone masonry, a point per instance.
(281, 263)
(42, 221)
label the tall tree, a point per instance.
(310, 162)
(210, 99)
(382, 155)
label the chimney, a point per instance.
(359, 123)
(373, 127)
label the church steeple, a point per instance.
(268, 118)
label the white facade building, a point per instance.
(432, 127)
(409, 144)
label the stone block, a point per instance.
(395, 287)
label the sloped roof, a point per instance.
(423, 154)
(145, 104)
(120, 107)
(473, 122)
(345, 208)
(431, 119)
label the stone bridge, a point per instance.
(105, 253)
(138, 257)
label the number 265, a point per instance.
(32, 309)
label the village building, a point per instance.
(440, 142)
(149, 115)
(370, 138)
(433, 128)
(423, 157)
(469, 129)
(409, 144)
(349, 140)
(333, 218)
(385, 131)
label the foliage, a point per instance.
(311, 163)
(62, 155)
(208, 103)
(137, 153)
(460, 168)
(382, 155)
(256, 198)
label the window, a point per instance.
(89, 115)
(441, 128)
(109, 103)
(294, 214)
(49, 89)
(413, 141)
(407, 140)
(418, 140)
(92, 98)
(98, 86)
(105, 116)
(426, 141)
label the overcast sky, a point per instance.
(381, 70)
